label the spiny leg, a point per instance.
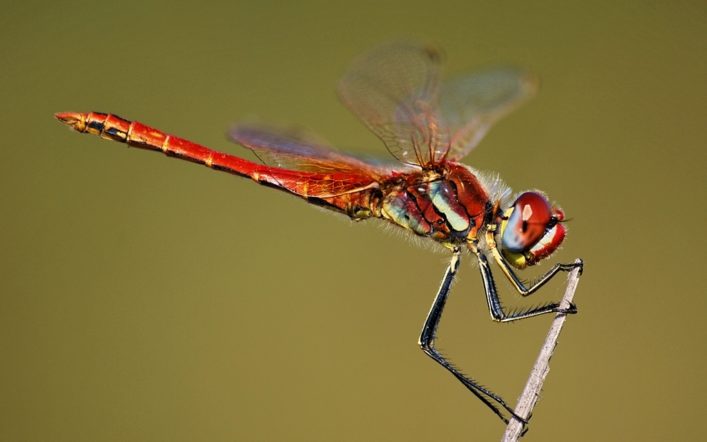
(495, 307)
(427, 338)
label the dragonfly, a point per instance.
(428, 125)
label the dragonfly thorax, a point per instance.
(448, 204)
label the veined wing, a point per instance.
(471, 104)
(294, 149)
(324, 171)
(393, 91)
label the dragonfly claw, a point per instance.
(571, 310)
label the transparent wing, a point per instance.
(471, 104)
(394, 91)
(297, 150)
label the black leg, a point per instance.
(427, 338)
(495, 307)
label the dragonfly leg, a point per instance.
(513, 278)
(494, 303)
(427, 339)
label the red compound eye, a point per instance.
(532, 230)
(531, 217)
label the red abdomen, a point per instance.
(354, 194)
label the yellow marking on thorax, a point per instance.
(165, 144)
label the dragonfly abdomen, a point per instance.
(136, 134)
(349, 193)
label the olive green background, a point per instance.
(149, 299)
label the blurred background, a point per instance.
(148, 299)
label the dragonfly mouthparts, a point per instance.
(75, 120)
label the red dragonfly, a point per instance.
(428, 126)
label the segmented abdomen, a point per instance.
(355, 195)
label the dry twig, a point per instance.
(531, 393)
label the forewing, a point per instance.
(471, 104)
(393, 91)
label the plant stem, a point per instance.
(531, 393)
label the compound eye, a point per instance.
(529, 219)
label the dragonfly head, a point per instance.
(531, 230)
